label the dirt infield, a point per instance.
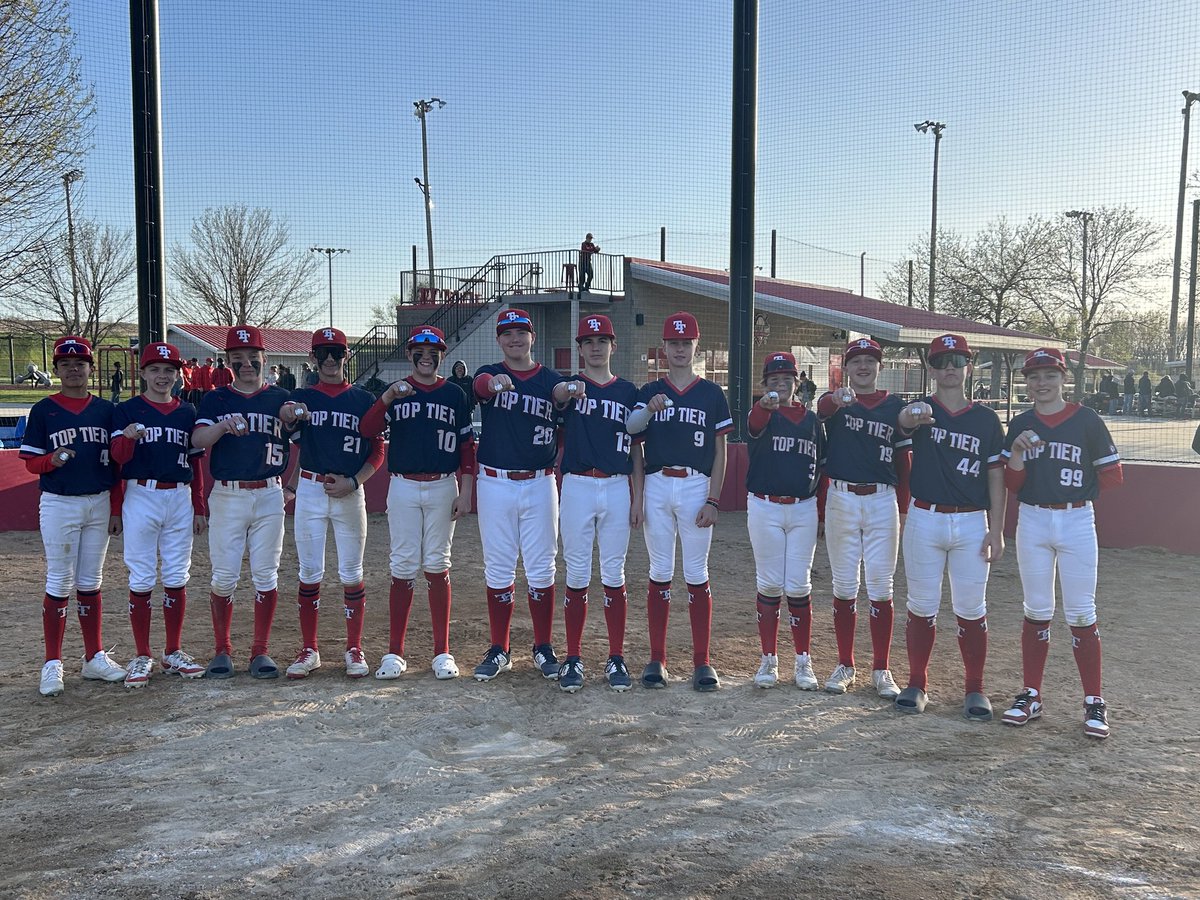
(364, 789)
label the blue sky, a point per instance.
(614, 119)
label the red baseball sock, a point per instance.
(400, 600)
(919, 634)
(1085, 641)
(800, 619)
(308, 604)
(500, 613)
(222, 618)
(264, 616)
(883, 615)
(845, 620)
(54, 625)
(1035, 647)
(616, 605)
(541, 610)
(700, 612)
(439, 610)
(768, 623)
(355, 604)
(174, 607)
(139, 621)
(658, 610)
(91, 608)
(575, 615)
(972, 644)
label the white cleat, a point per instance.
(391, 666)
(307, 661)
(841, 679)
(356, 663)
(101, 668)
(806, 679)
(52, 678)
(885, 684)
(768, 672)
(138, 675)
(444, 667)
(182, 664)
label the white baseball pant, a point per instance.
(671, 506)
(315, 512)
(518, 519)
(935, 542)
(157, 526)
(75, 537)
(1065, 538)
(420, 525)
(240, 518)
(784, 540)
(594, 510)
(862, 533)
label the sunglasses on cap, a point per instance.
(515, 320)
(951, 361)
(425, 338)
(331, 352)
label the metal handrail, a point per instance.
(368, 355)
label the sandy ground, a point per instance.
(338, 788)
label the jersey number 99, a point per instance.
(1070, 477)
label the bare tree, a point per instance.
(41, 297)
(45, 113)
(242, 270)
(384, 313)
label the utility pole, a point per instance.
(330, 253)
(422, 108)
(936, 127)
(70, 177)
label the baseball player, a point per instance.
(787, 450)
(66, 445)
(335, 462)
(517, 496)
(164, 504)
(867, 474)
(685, 418)
(601, 499)
(243, 428)
(430, 438)
(1060, 456)
(955, 521)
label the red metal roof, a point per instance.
(278, 340)
(1093, 362)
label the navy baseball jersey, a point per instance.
(786, 458)
(262, 451)
(595, 428)
(331, 442)
(82, 425)
(862, 438)
(428, 429)
(684, 434)
(1075, 446)
(519, 426)
(951, 457)
(164, 450)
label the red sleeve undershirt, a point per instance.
(199, 483)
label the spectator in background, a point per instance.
(287, 378)
(1184, 392)
(1130, 389)
(458, 375)
(311, 375)
(1111, 392)
(221, 376)
(586, 250)
(188, 372)
(1166, 387)
(202, 380)
(272, 377)
(116, 382)
(1145, 389)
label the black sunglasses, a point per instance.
(951, 361)
(324, 353)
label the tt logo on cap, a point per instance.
(243, 335)
(594, 324)
(948, 341)
(164, 352)
(866, 345)
(777, 358)
(328, 334)
(679, 326)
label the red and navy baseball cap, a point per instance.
(949, 343)
(244, 337)
(862, 347)
(208, 360)
(514, 318)
(160, 351)
(779, 362)
(595, 326)
(72, 347)
(328, 337)
(681, 326)
(427, 335)
(1044, 358)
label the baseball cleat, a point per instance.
(885, 684)
(841, 679)
(617, 674)
(52, 679)
(307, 661)
(138, 675)
(444, 667)
(654, 676)
(768, 672)
(356, 663)
(806, 679)
(1095, 722)
(263, 667)
(570, 674)
(391, 666)
(912, 700)
(977, 707)
(544, 659)
(495, 661)
(101, 668)
(1026, 708)
(181, 664)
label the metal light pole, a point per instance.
(70, 177)
(422, 109)
(936, 127)
(1190, 331)
(1188, 99)
(329, 252)
(1085, 217)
